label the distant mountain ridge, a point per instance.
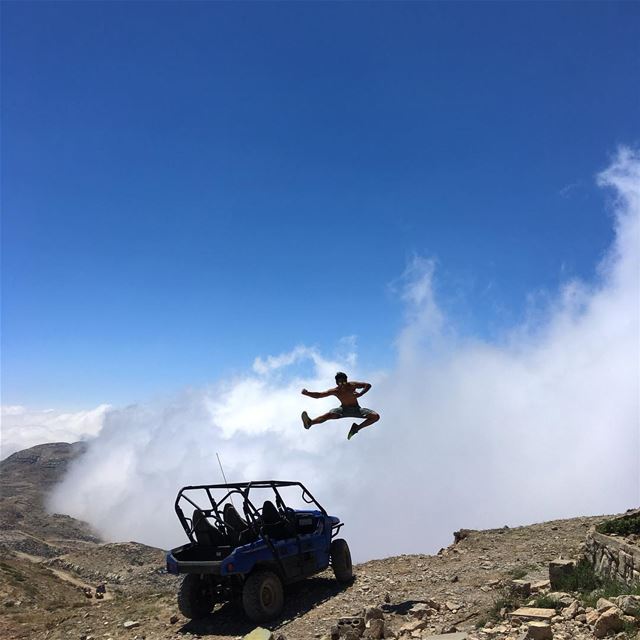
(26, 477)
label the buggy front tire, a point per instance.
(194, 598)
(262, 596)
(341, 560)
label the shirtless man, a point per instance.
(348, 394)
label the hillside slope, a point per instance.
(52, 565)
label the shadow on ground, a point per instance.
(229, 620)
(401, 608)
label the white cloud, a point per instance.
(22, 427)
(542, 424)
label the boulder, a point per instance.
(541, 585)
(559, 571)
(520, 588)
(603, 604)
(609, 621)
(372, 613)
(570, 612)
(533, 613)
(630, 605)
(375, 629)
(561, 598)
(539, 631)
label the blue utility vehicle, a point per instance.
(248, 558)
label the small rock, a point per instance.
(259, 633)
(375, 630)
(173, 619)
(433, 604)
(591, 616)
(414, 625)
(449, 629)
(130, 624)
(420, 611)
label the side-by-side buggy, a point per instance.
(248, 558)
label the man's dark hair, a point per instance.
(341, 376)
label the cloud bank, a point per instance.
(540, 425)
(22, 427)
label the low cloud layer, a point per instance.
(540, 425)
(23, 427)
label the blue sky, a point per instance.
(186, 186)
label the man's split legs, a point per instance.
(309, 422)
(371, 418)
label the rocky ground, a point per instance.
(70, 586)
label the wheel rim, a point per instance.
(267, 596)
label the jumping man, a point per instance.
(348, 394)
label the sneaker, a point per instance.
(306, 420)
(352, 432)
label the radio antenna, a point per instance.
(223, 476)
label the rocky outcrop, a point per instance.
(613, 557)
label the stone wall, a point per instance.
(613, 557)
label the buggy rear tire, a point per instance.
(341, 560)
(194, 598)
(262, 596)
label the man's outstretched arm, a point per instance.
(318, 394)
(365, 386)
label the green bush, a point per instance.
(583, 578)
(621, 526)
(608, 589)
(545, 602)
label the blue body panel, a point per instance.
(295, 558)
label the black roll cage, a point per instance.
(252, 514)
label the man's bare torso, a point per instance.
(346, 393)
